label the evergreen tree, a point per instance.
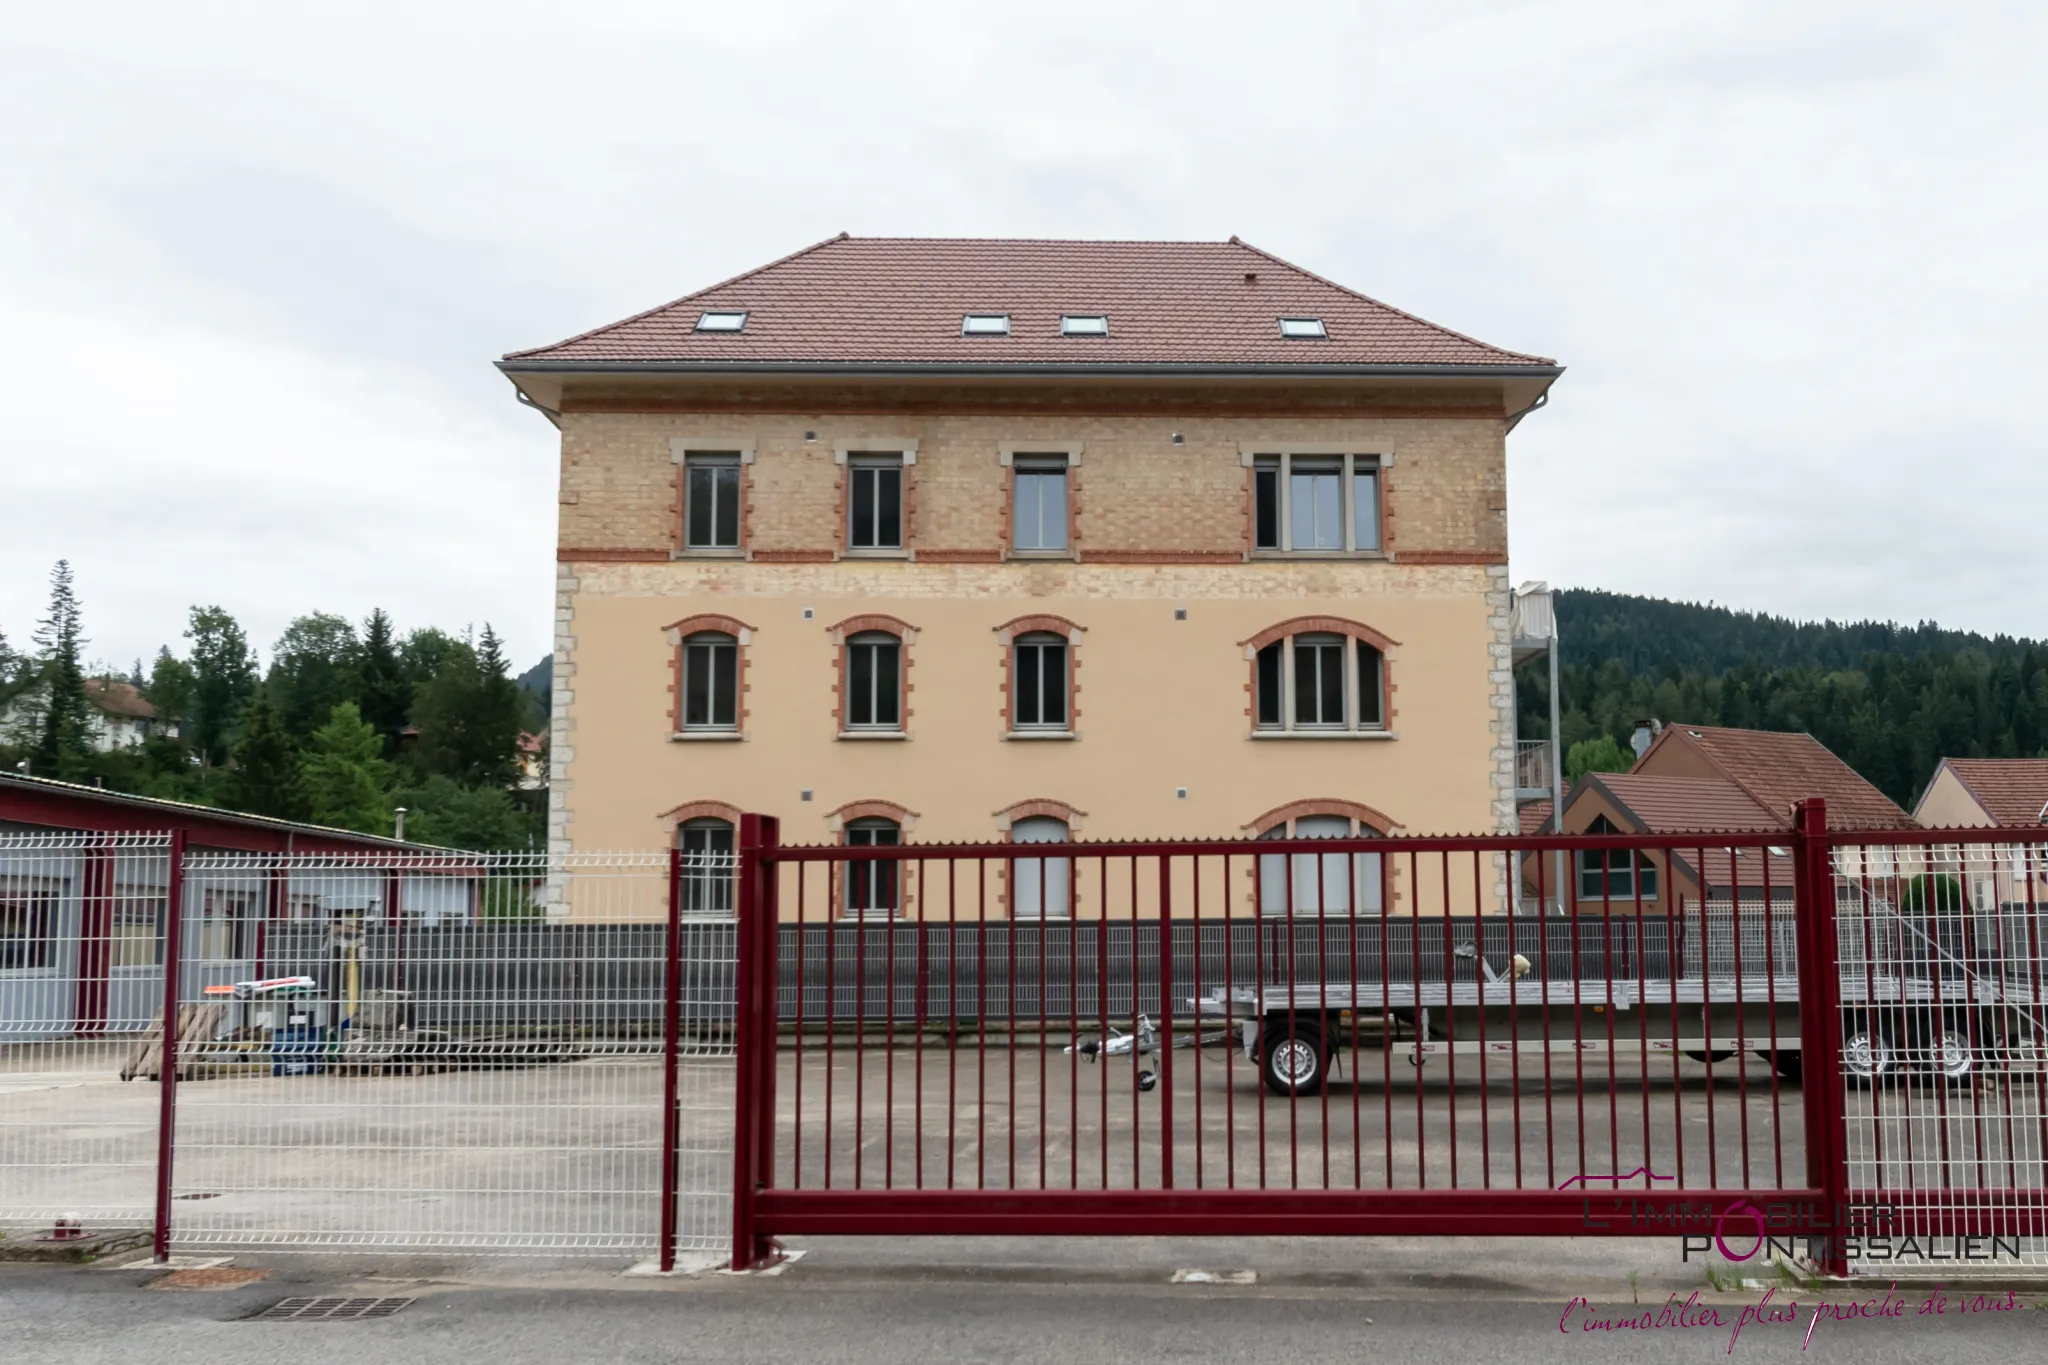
(64, 740)
(264, 775)
(313, 669)
(224, 678)
(170, 687)
(442, 811)
(347, 779)
(383, 692)
(469, 717)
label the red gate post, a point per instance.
(754, 1023)
(167, 1065)
(671, 1046)
(1823, 1089)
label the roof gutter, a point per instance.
(949, 369)
(1542, 401)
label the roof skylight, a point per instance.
(985, 325)
(1084, 325)
(1301, 329)
(721, 322)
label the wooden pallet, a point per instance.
(197, 1025)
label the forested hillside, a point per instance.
(1892, 700)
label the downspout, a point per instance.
(1542, 401)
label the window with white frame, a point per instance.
(1038, 504)
(708, 862)
(1039, 682)
(872, 888)
(1043, 887)
(1319, 682)
(711, 676)
(1614, 874)
(874, 682)
(711, 500)
(874, 501)
(1314, 885)
(1320, 504)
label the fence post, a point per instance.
(167, 1064)
(754, 1034)
(1820, 1026)
(671, 1046)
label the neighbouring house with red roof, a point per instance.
(1703, 779)
(122, 717)
(1978, 793)
(953, 540)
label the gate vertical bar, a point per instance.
(671, 1046)
(1166, 1017)
(753, 1036)
(167, 1066)
(1820, 1025)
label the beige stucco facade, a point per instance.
(1160, 593)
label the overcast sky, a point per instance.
(255, 265)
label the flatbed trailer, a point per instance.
(1292, 1032)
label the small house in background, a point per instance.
(533, 761)
(122, 717)
(1985, 793)
(1700, 779)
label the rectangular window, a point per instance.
(1041, 683)
(1318, 683)
(871, 887)
(26, 919)
(711, 667)
(707, 871)
(875, 502)
(874, 683)
(711, 501)
(1615, 873)
(1039, 503)
(1321, 504)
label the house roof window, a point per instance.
(721, 322)
(1084, 325)
(985, 325)
(1301, 329)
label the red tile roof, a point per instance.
(1672, 805)
(2012, 791)
(894, 300)
(1535, 817)
(119, 698)
(1777, 769)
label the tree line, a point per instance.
(1891, 700)
(341, 728)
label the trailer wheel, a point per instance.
(1868, 1056)
(1703, 1056)
(1295, 1060)
(1952, 1057)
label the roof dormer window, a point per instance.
(985, 325)
(1084, 325)
(721, 322)
(1302, 329)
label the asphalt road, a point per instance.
(511, 1313)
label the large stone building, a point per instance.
(949, 541)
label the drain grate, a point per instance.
(329, 1310)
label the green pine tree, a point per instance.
(347, 779)
(469, 715)
(264, 775)
(64, 740)
(383, 692)
(170, 688)
(224, 678)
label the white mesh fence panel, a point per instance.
(81, 982)
(1942, 970)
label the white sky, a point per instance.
(255, 262)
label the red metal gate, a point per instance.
(1606, 1035)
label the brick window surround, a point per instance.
(700, 810)
(1266, 823)
(870, 808)
(1006, 636)
(1006, 454)
(842, 451)
(1039, 806)
(1382, 459)
(1321, 625)
(679, 631)
(839, 634)
(680, 448)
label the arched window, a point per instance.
(1040, 681)
(708, 862)
(873, 889)
(710, 681)
(1042, 888)
(874, 681)
(1318, 675)
(1319, 884)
